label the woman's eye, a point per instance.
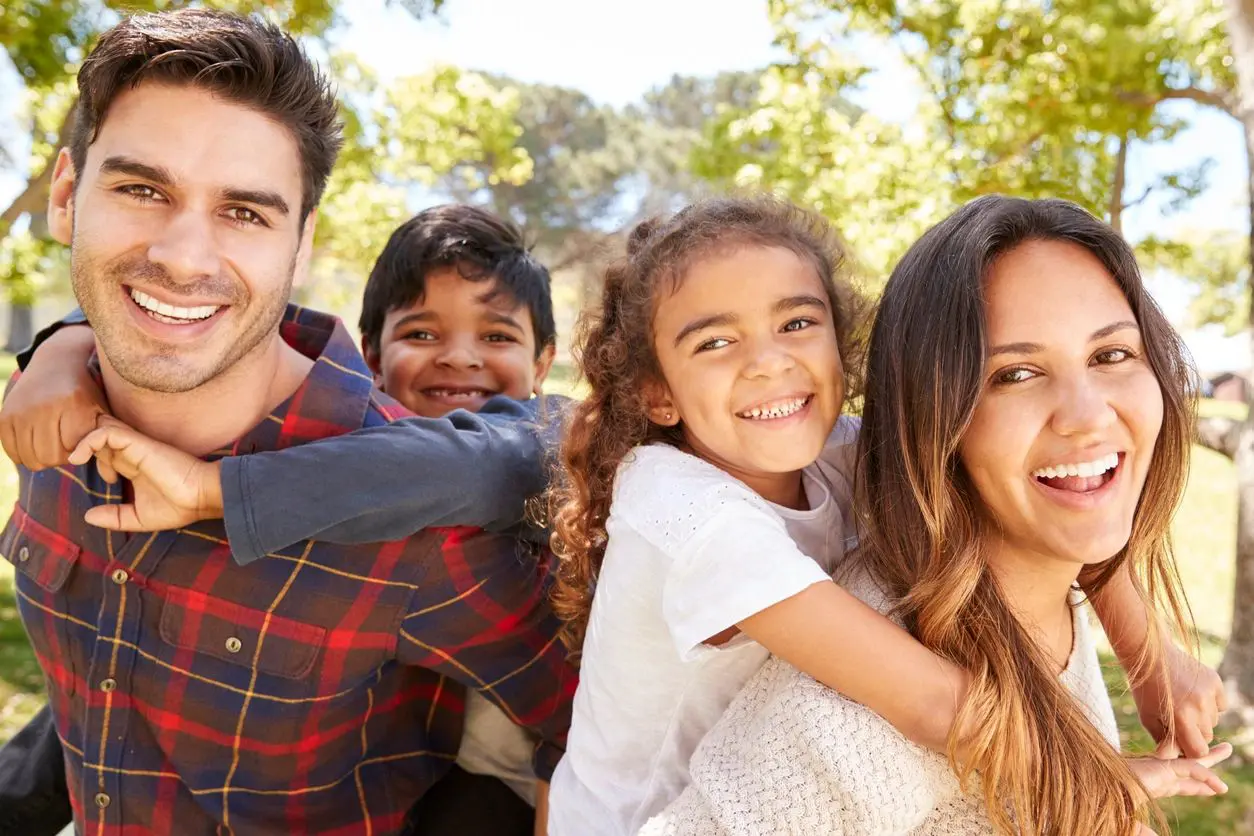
(1110, 356)
(245, 216)
(797, 324)
(1017, 375)
(712, 344)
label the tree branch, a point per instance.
(34, 197)
(1219, 434)
(1223, 100)
(1116, 192)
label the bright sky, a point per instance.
(615, 52)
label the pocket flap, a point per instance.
(197, 621)
(37, 551)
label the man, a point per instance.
(304, 692)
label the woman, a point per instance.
(1027, 419)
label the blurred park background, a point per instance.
(577, 118)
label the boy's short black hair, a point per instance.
(481, 245)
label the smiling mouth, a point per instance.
(774, 410)
(1082, 477)
(171, 314)
(445, 393)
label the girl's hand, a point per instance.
(1164, 778)
(54, 403)
(1198, 699)
(171, 488)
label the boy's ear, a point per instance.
(61, 198)
(544, 364)
(661, 406)
(373, 361)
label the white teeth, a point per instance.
(779, 410)
(173, 311)
(1085, 469)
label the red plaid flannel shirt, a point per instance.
(319, 690)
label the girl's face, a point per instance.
(747, 348)
(1064, 432)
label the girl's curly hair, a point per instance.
(614, 348)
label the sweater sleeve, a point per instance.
(391, 481)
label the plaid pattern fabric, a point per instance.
(319, 690)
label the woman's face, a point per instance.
(1064, 431)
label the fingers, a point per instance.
(1193, 741)
(1194, 779)
(8, 440)
(1217, 754)
(109, 438)
(114, 517)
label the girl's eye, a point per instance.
(798, 324)
(712, 344)
(245, 216)
(1011, 376)
(1111, 356)
(140, 192)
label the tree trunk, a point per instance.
(1237, 668)
(1116, 193)
(21, 327)
(34, 198)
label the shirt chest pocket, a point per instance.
(45, 561)
(241, 637)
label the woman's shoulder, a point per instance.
(668, 496)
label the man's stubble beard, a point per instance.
(158, 369)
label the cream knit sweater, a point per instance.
(791, 756)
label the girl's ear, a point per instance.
(661, 406)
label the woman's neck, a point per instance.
(1038, 591)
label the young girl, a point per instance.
(706, 503)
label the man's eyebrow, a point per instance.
(703, 323)
(257, 197)
(126, 165)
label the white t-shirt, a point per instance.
(691, 552)
(492, 744)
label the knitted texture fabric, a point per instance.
(791, 756)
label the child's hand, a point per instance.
(172, 489)
(50, 407)
(1198, 698)
(1164, 778)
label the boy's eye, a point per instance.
(500, 338)
(798, 324)
(713, 344)
(419, 336)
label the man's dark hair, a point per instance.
(481, 245)
(245, 60)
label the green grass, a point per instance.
(1205, 533)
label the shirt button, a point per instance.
(233, 645)
(108, 685)
(23, 554)
(102, 800)
(120, 576)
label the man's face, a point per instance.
(185, 233)
(462, 343)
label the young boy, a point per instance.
(455, 312)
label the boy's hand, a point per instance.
(1198, 699)
(172, 489)
(1164, 778)
(54, 403)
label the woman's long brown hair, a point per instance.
(1044, 768)
(615, 350)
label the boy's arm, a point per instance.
(1196, 692)
(34, 799)
(386, 483)
(542, 808)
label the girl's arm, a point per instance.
(1197, 693)
(849, 647)
(542, 808)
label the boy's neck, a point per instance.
(219, 411)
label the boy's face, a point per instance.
(457, 347)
